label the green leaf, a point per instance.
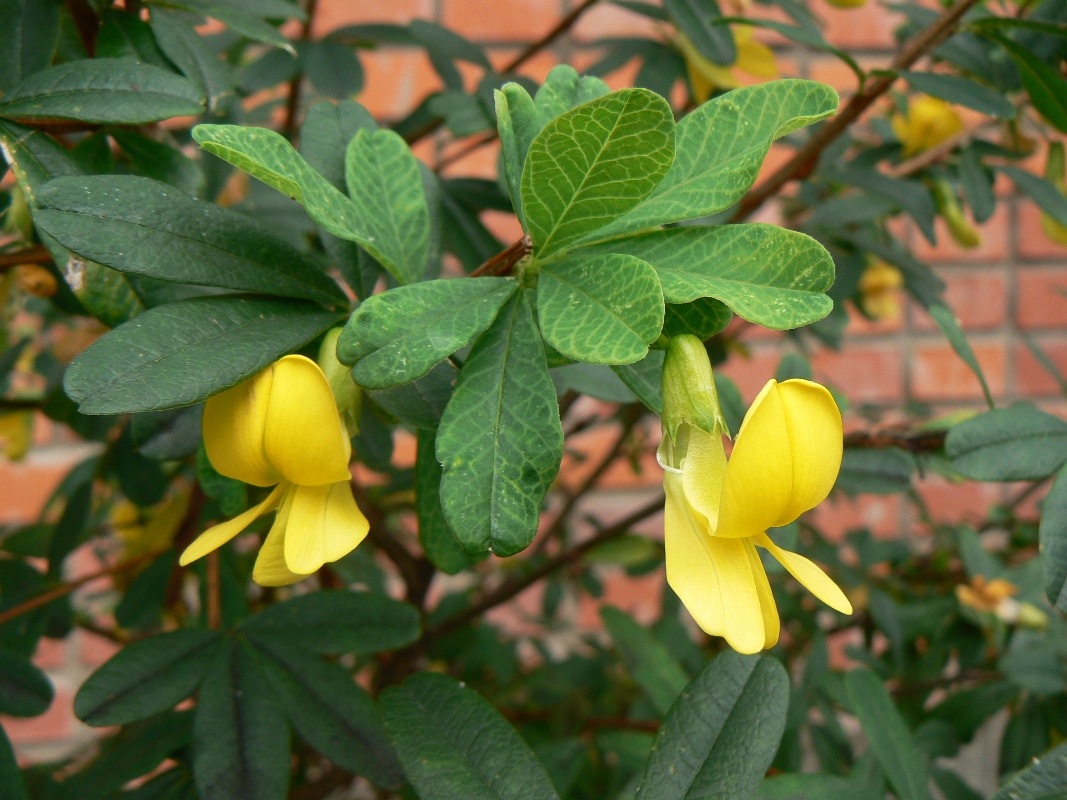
(950, 327)
(144, 227)
(160, 161)
(595, 380)
(702, 318)
(123, 35)
(31, 30)
(564, 89)
(645, 379)
(326, 132)
(1043, 82)
(181, 353)
(1008, 444)
(386, 188)
(500, 439)
(1053, 532)
(12, 787)
(604, 309)
(518, 122)
(398, 336)
(720, 148)
(888, 735)
(436, 538)
(248, 22)
(455, 746)
(331, 712)
(335, 622)
(650, 663)
(25, 691)
(593, 164)
(722, 732)
(240, 738)
(268, 156)
(1045, 779)
(333, 68)
(420, 403)
(765, 274)
(1042, 192)
(875, 471)
(962, 91)
(146, 677)
(695, 18)
(191, 53)
(977, 184)
(804, 787)
(913, 196)
(107, 91)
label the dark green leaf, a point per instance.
(421, 402)
(875, 471)
(500, 439)
(805, 787)
(1053, 532)
(652, 666)
(437, 539)
(595, 380)
(31, 30)
(146, 677)
(1043, 82)
(142, 604)
(25, 691)
(950, 327)
(977, 184)
(703, 318)
(331, 712)
(1009, 444)
(1045, 779)
(12, 786)
(889, 737)
(518, 122)
(182, 353)
(333, 69)
(962, 91)
(447, 43)
(113, 91)
(167, 435)
(334, 622)
(160, 161)
(695, 19)
(398, 336)
(912, 196)
(123, 35)
(240, 739)
(645, 379)
(194, 57)
(455, 746)
(325, 135)
(1047, 197)
(563, 90)
(593, 164)
(722, 732)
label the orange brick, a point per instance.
(504, 227)
(492, 21)
(751, 373)
(637, 596)
(619, 79)
(26, 485)
(952, 503)
(95, 650)
(537, 67)
(1041, 298)
(56, 723)
(397, 81)
(836, 73)
(606, 20)
(994, 246)
(50, 654)
(332, 15)
(864, 28)
(979, 299)
(859, 325)
(1031, 378)
(480, 163)
(939, 374)
(840, 514)
(1031, 240)
(868, 372)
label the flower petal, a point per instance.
(759, 475)
(702, 473)
(217, 536)
(304, 438)
(809, 574)
(234, 423)
(270, 568)
(325, 524)
(772, 624)
(744, 630)
(813, 422)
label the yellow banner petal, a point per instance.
(809, 574)
(813, 422)
(759, 475)
(234, 424)
(702, 473)
(690, 572)
(304, 438)
(270, 568)
(324, 525)
(217, 536)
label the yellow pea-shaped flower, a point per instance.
(929, 122)
(705, 77)
(281, 428)
(718, 510)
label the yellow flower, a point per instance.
(1055, 169)
(282, 429)
(705, 77)
(785, 461)
(16, 434)
(929, 122)
(879, 288)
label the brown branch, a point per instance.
(504, 261)
(292, 104)
(214, 592)
(87, 23)
(66, 588)
(561, 27)
(515, 586)
(30, 255)
(913, 441)
(589, 723)
(804, 160)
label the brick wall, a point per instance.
(1013, 287)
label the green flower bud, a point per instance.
(346, 393)
(689, 395)
(963, 232)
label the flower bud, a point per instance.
(847, 3)
(689, 395)
(963, 232)
(879, 288)
(346, 393)
(18, 221)
(1055, 173)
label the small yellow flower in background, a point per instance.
(705, 77)
(282, 428)
(784, 462)
(997, 597)
(1056, 174)
(929, 122)
(149, 529)
(16, 434)
(880, 286)
(846, 3)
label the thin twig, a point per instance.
(292, 104)
(30, 255)
(214, 592)
(920, 441)
(804, 160)
(504, 261)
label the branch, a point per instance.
(504, 261)
(508, 590)
(804, 160)
(292, 105)
(913, 441)
(87, 23)
(30, 255)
